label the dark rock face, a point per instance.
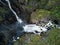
(20, 7)
(6, 16)
(9, 19)
(56, 21)
(24, 8)
(2, 39)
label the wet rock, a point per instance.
(3, 40)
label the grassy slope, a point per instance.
(52, 39)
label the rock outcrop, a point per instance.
(25, 8)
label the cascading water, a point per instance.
(27, 28)
(31, 27)
(18, 19)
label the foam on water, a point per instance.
(31, 27)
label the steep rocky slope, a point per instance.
(25, 8)
(31, 11)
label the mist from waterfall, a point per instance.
(18, 19)
(27, 28)
(22, 28)
(30, 27)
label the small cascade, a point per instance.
(28, 28)
(31, 27)
(38, 29)
(18, 19)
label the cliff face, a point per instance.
(31, 11)
(27, 9)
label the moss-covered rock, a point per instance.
(53, 38)
(39, 14)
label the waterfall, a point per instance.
(18, 19)
(31, 27)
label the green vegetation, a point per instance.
(34, 9)
(3, 10)
(40, 13)
(53, 38)
(1, 18)
(56, 12)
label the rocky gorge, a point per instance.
(30, 11)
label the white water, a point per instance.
(39, 29)
(18, 19)
(31, 27)
(49, 24)
(27, 28)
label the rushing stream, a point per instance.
(21, 27)
(31, 27)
